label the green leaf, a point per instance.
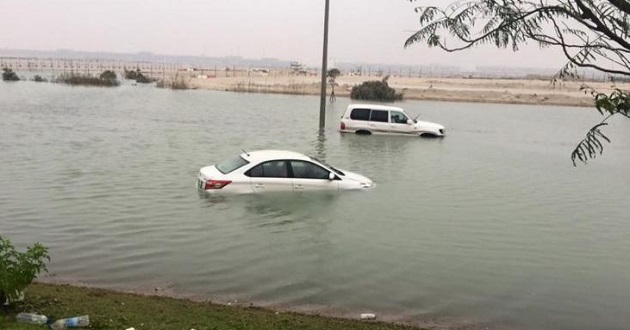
(19, 269)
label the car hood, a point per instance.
(365, 181)
(427, 125)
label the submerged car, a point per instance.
(381, 119)
(276, 170)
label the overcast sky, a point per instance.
(370, 31)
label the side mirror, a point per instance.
(331, 176)
(410, 122)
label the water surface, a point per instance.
(490, 226)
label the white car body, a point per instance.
(276, 170)
(381, 119)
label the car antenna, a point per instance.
(245, 151)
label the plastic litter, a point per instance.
(73, 322)
(31, 318)
(368, 316)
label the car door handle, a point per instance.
(259, 185)
(299, 187)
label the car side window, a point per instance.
(398, 117)
(308, 170)
(271, 169)
(360, 114)
(379, 115)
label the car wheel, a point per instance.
(428, 135)
(363, 132)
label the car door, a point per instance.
(379, 121)
(309, 176)
(270, 176)
(398, 123)
(359, 119)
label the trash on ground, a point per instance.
(31, 318)
(73, 322)
(368, 316)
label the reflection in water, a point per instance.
(385, 144)
(378, 157)
(320, 145)
(211, 200)
(277, 205)
(297, 205)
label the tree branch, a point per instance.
(581, 64)
(622, 5)
(601, 27)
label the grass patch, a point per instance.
(176, 84)
(119, 311)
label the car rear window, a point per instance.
(360, 114)
(231, 164)
(379, 115)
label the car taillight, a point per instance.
(216, 184)
(342, 126)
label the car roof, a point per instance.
(373, 106)
(263, 155)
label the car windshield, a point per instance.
(330, 167)
(231, 164)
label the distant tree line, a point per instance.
(107, 78)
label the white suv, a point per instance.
(381, 119)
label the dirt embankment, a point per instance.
(511, 91)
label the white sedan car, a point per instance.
(276, 170)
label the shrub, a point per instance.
(9, 75)
(131, 74)
(375, 91)
(19, 269)
(142, 79)
(39, 78)
(107, 78)
(137, 76)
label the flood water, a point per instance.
(491, 226)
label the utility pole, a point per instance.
(322, 101)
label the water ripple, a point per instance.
(490, 225)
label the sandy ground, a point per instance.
(512, 91)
